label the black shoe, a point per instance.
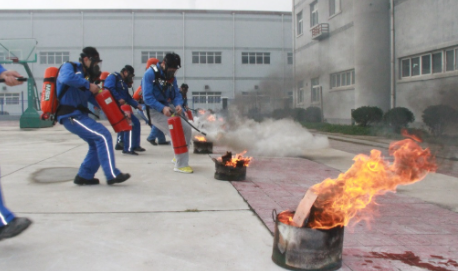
(164, 143)
(119, 147)
(81, 181)
(15, 227)
(152, 142)
(139, 149)
(119, 179)
(130, 152)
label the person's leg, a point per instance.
(119, 141)
(128, 142)
(152, 135)
(10, 225)
(88, 129)
(161, 137)
(136, 131)
(160, 121)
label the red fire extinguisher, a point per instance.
(177, 135)
(103, 77)
(189, 115)
(48, 94)
(114, 115)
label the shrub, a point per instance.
(313, 114)
(298, 114)
(398, 118)
(280, 114)
(438, 118)
(367, 115)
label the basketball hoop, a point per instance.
(13, 59)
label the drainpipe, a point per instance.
(183, 57)
(393, 56)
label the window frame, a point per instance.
(252, 58)
(299, 24)
(430, 63)
(314, 15)
(46, 56)
(337, 8)
(289, 58)
(344, 78)
(145, 55)
(300, 92)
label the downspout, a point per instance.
(184, 36)
(393, 56)
(133, 35)
(293, 20)
(233, 54)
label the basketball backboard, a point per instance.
(15, 50)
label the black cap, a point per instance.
(128, 68)
(91, 52)
(172, 60)
(184, 86)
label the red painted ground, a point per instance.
(408, 234)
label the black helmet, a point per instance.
(91, 52)
(172, 60)
(129, 68)
(184, 86)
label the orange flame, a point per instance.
(211, 118)
(201, 111)
(238, 158)
(200, 138)
(342, 199)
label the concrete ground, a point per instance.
(162, 220)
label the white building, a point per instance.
(223, 52)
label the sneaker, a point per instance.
(81, 181)
(119, 179)
(153, 142)
(129, 152)
(164, 143)
(119, 147)
(174, 161)
(186, 170)
(15, 227)
(139, 149)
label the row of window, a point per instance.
(9, 98)
(334, 8)
(430, 63)
(206, 97)
(339, 79)
(197, 57)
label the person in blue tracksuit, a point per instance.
(160, 93)
(184, 93)
(74, 92)
(10, 225)
(118, 84)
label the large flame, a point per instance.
(237, 159)
(200, 138)
(342, 199)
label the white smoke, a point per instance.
(267, 138)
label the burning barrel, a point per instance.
(305, 248)
(231, 168)
(202, 146)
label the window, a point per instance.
(9, 98)
(334, 7)
(430, 63)
(206, 57)
(54, 57)
(206, 97)
(255, 58)
(300, 92)
(316, 89)
(345, 78)
(290, 59)
(437, 62)
(300, 24)
(313, 14)
(153, 54)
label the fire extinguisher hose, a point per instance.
(183, 118)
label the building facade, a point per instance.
(353, 53)
(224, 53)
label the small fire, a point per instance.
(235, 160)
(200, 138)
(342, 199)
(201, 112)
(211, 118)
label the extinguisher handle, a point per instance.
(20, 79)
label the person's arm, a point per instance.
(147, 88)
(178, 101)
(68, 77)
(92, 100)
(2, 69)
(111, 84)
(10, 77)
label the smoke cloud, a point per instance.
(276, 138)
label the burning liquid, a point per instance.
(342, 199)
(286, 217)
(235, 160)
(200, 138)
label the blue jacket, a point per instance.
(2, 69)
(119, 89)
(78, 92)
(155, 94)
